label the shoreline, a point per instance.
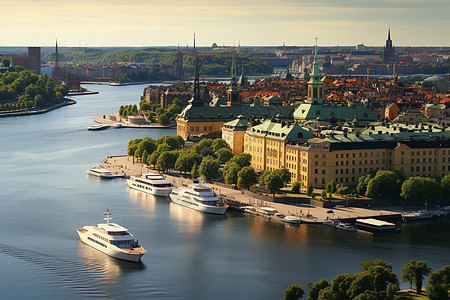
(115, 118)
(308, 213)
(66, 102)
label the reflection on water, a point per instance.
(106, 270)
(190, 219)
(146, 201)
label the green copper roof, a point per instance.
(315, 77)
(240, 123)
(206, 113)
(325, 112)
(280, 130)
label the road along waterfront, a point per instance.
(45, 194)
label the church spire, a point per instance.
(233, 91)
(389, 32)
(196, 99)
(56, 63)
(315, 84)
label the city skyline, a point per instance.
(249, 23)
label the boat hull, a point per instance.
(108, 249)
(217, 210)
(162, 192)
(89, 172)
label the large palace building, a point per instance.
(201, 118)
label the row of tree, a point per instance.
(128, 110)
(163, 115)
(23, 89)
(377, 281)
(212, 159)
(414, 189)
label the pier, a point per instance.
(236, 198)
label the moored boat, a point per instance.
(346, 227)
(418, 215)
(112, 239)
(98, 127)
(331, 222)
(199, 197)
(100, 172)
(151, 183)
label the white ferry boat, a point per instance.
(199, 197)
(100, 172)
(98, 127)
(112, 239)
(151, 183)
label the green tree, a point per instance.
(309, 190)
(247, 177)
(273, 183)
(224, 155)
(438, 285)
(263, 177)
(186, 161)
(219, 144)
(316, 288)
(164, 147)
(293, 292)
(385, 183)
(230, 172)
(445, 183)
(284, 174)
(210, 168)
(420, 189)
(152, 160)
(166, 160)
(369, 262)
(202, 144)
(194, 171)
(414, 273)
(162, 119)
(296, 185)
(243, 159)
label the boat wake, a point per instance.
(82, 278)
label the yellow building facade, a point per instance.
(345, 158)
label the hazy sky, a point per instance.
(252, 22)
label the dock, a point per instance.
(236, 198)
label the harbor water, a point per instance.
(45, 194)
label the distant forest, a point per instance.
(210, 62)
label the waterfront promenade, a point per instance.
(308, 213)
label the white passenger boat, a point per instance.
(151, 183)
(112, 239)
(332, 223)
(98, 127)
(100, 172)
(346, 227)
(418, 215)
(291, 219)
(199, 197)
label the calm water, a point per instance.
(45, 195)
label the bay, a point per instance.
(45, 195)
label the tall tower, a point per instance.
(315, 84)
(56, 63)
(388, 52)
(233, 91)
(196, 100)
